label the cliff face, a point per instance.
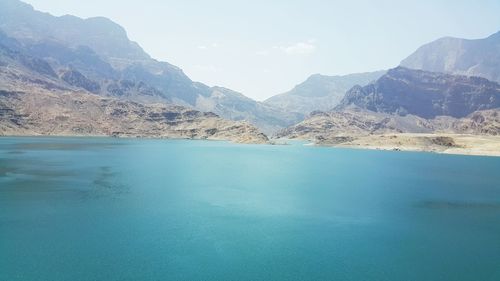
(425, 94)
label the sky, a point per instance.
(263, 47)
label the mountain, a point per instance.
(36, 99)
(407, 101)
(96, 54)
(425, 94)
(320, 92)
(236, 106)
(480, 57)
(19, 20)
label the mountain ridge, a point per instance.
(100, 50)
(36, 99)
(407, 101)
(320, 92)
(471, 57)
(425, 94)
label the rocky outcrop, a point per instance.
(83, 114)
(75, 78)
(348, 123)
(486, 122)
(425, 94)
(38, 65)
(131, 90)
(330, 125)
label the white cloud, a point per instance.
(211, 46)
(299, 48)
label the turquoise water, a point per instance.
(108, 209)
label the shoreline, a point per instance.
(453, 144)
(457, 144)
(131, 137)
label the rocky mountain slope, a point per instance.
(37, 100)
(337, 124)
(426, 94)
(83, 114)
(480, 57)
(320, 92)
(95, 54)
(408, 101)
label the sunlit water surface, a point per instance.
(108, 209)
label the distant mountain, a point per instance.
(447, 86)
(408, 101)
(320, 92)
(95, 54)
(236, 106)
(426, 94)
(479, 57)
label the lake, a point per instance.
(130, 209)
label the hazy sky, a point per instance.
(265, 47)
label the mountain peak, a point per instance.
(15, 5)
(20, 21)
(320, 92)
(495, 36)
(107, 24)
(477, 57)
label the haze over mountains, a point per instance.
(52, 69)
(320, 92)
(480, 57)
(34, 100)
(409, 101)
(42, 59)
(442, 87)
(103, 60)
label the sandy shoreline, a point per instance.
(462, 144)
